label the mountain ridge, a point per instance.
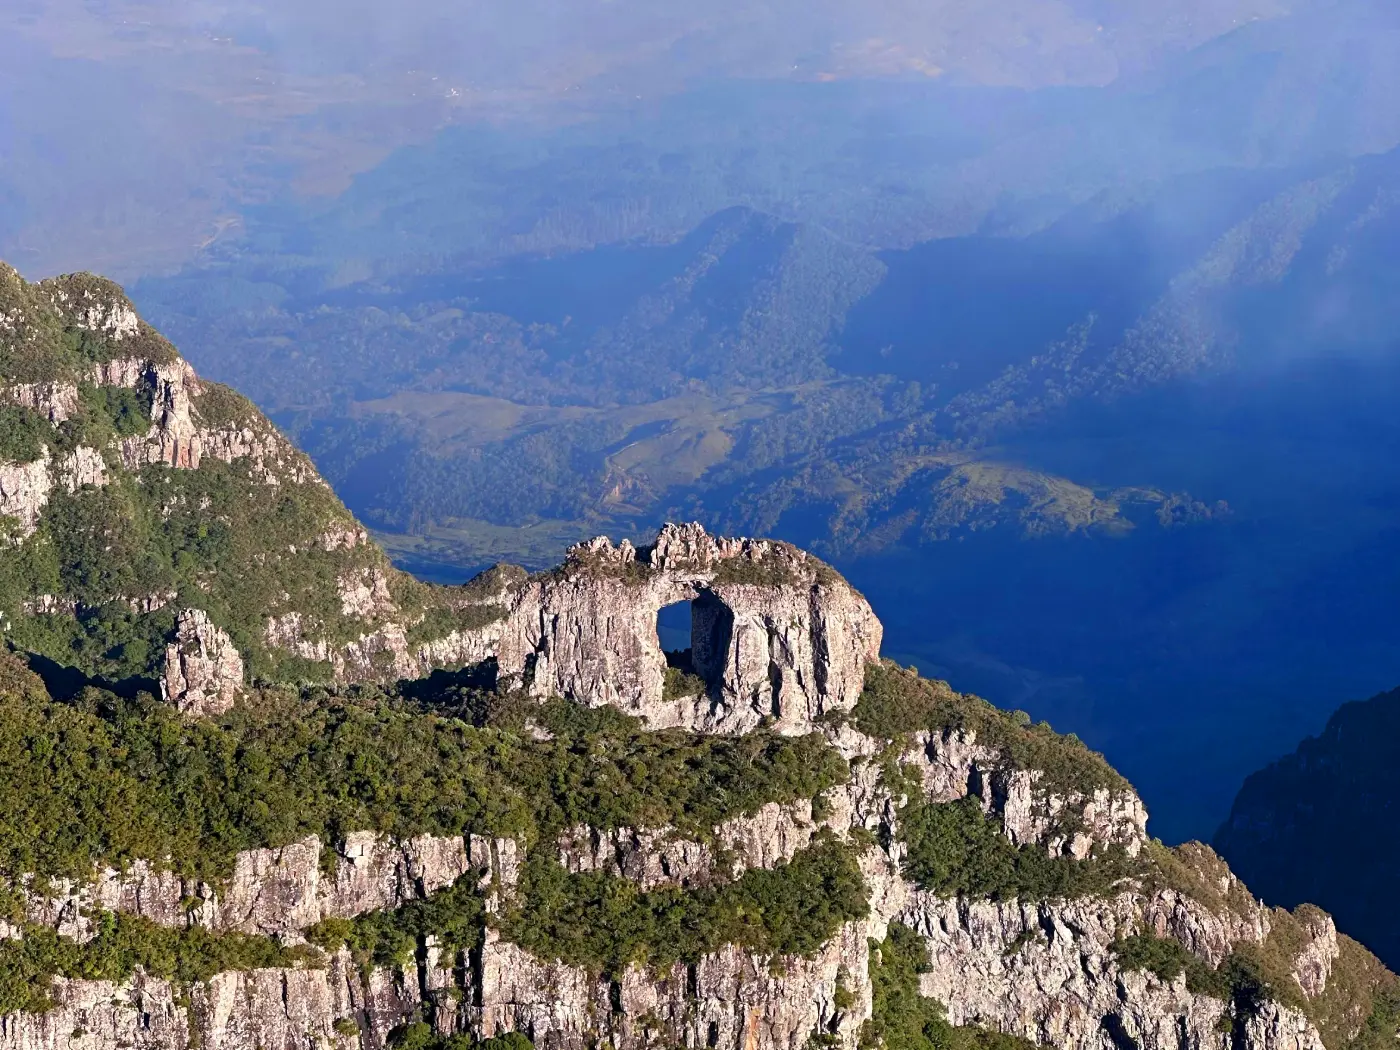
(558, 834)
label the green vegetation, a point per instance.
(391, 938)
(1165, 957)
(46, 342)
(604, 923)
(901, 1018)
(22, 434)
(114, 780)
(957, 850)
(121, 945)
(127, 412)
(680, 682)
(897, 702)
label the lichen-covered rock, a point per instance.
(203, 671)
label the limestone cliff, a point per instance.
(516, 844)
(1048, 971)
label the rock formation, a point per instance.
(203, 671)
(776, 635)
(779, 641)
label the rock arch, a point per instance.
(776, 634)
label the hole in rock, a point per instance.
(673, 630)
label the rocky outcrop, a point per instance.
(951, 765)
(656, 857)
(24, 492)
(83, 468)
(732, 999)
(1312, 966)
(776, 636)
(174, 436)
(203, 671)
(278, 892)
(1047, 972)
(57, 401)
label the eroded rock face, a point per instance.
(24, 492)
(55, 401)
(1046, 972)
(952, 764)
(203, 671)
(280, 892)
(656, 857)
(776, 635)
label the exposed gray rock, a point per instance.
(952, 765)
(24, 492)
(1046, 972)
(278, 892)
(1312, 968)
(55, 401)
(203, 671)
(656, 857)
(776, 635)
(83, 467)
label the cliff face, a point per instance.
(1047, 971)
(160, 535)
(1304, 828)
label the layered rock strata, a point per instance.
(1045, 971)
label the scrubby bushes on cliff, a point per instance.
(103, 780)
(954, 849)
(454, 917)
(897, 703)
(603, 922)
(124, 943)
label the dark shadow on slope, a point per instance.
(67, 683)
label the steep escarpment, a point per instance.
(1307, 827)
(446, 860)
(258, 791)
(158, 529)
